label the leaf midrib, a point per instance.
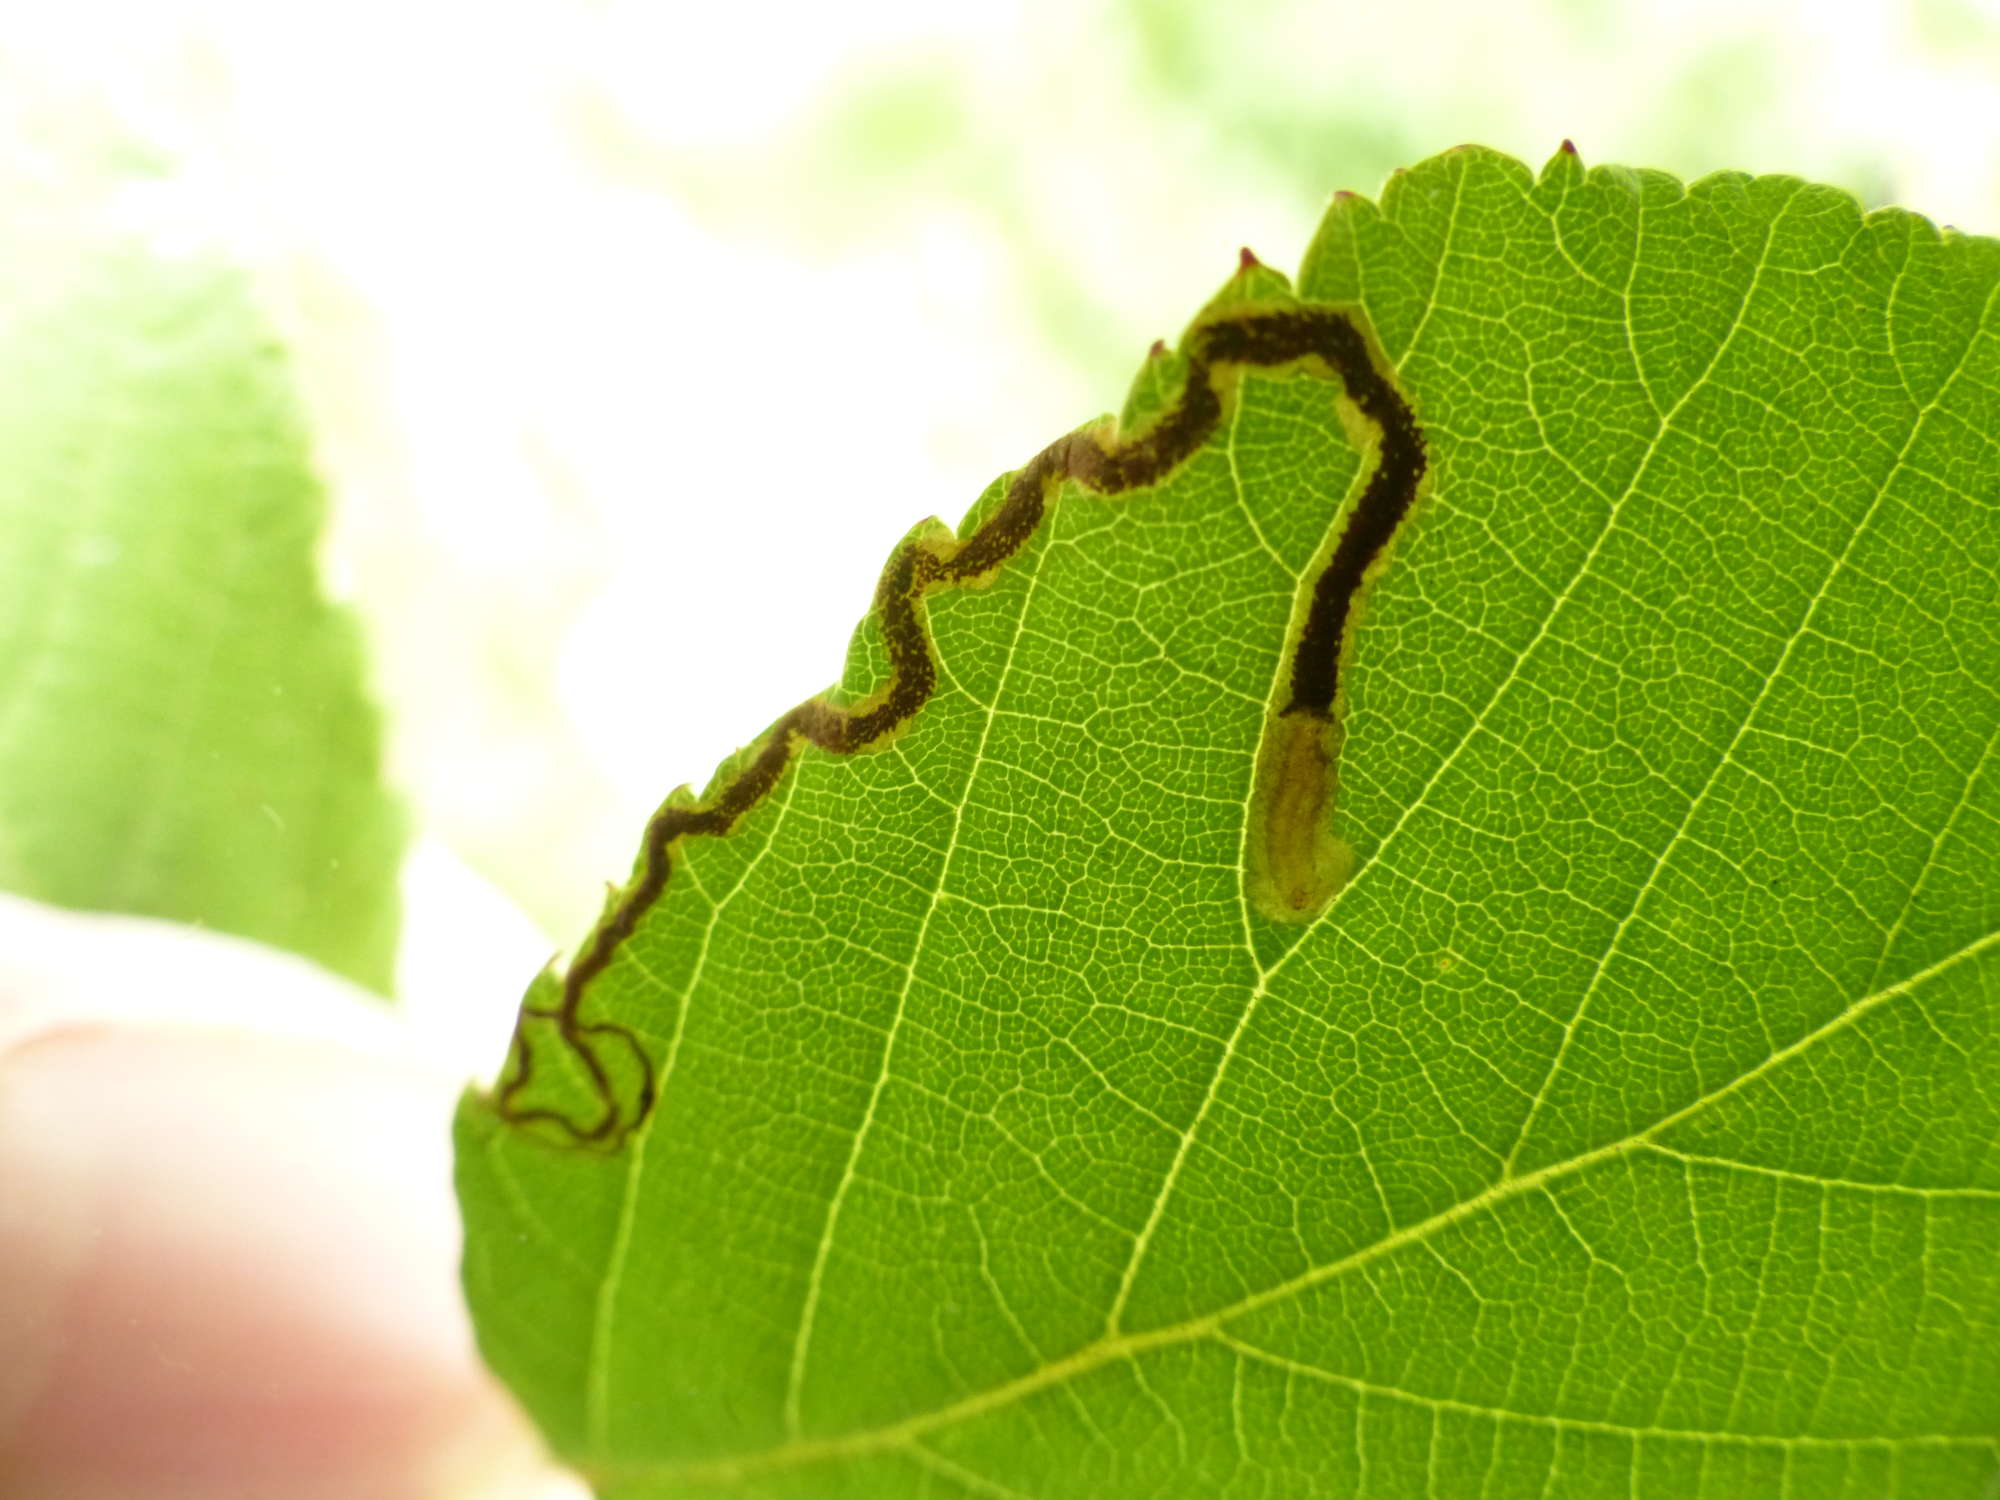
(1111, 1349)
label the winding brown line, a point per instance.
(1383, 504)
(1250, 338)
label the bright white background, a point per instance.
(634, 335)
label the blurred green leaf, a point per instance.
(183, 730)
(959, 1123)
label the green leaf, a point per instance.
(956, 1114)
(183, 730)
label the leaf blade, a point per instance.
(1100, 1162)
(183, 727)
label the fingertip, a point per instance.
(229, 1261)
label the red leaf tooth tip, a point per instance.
(1248, 261)
(1568, 147)
(1342, 195)
(1158, 351)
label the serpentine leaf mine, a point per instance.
(1295, 861)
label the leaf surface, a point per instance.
(954, 1114)
(183, 728)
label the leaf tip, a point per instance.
(1247, 260)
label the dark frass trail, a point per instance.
(1296, 863)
